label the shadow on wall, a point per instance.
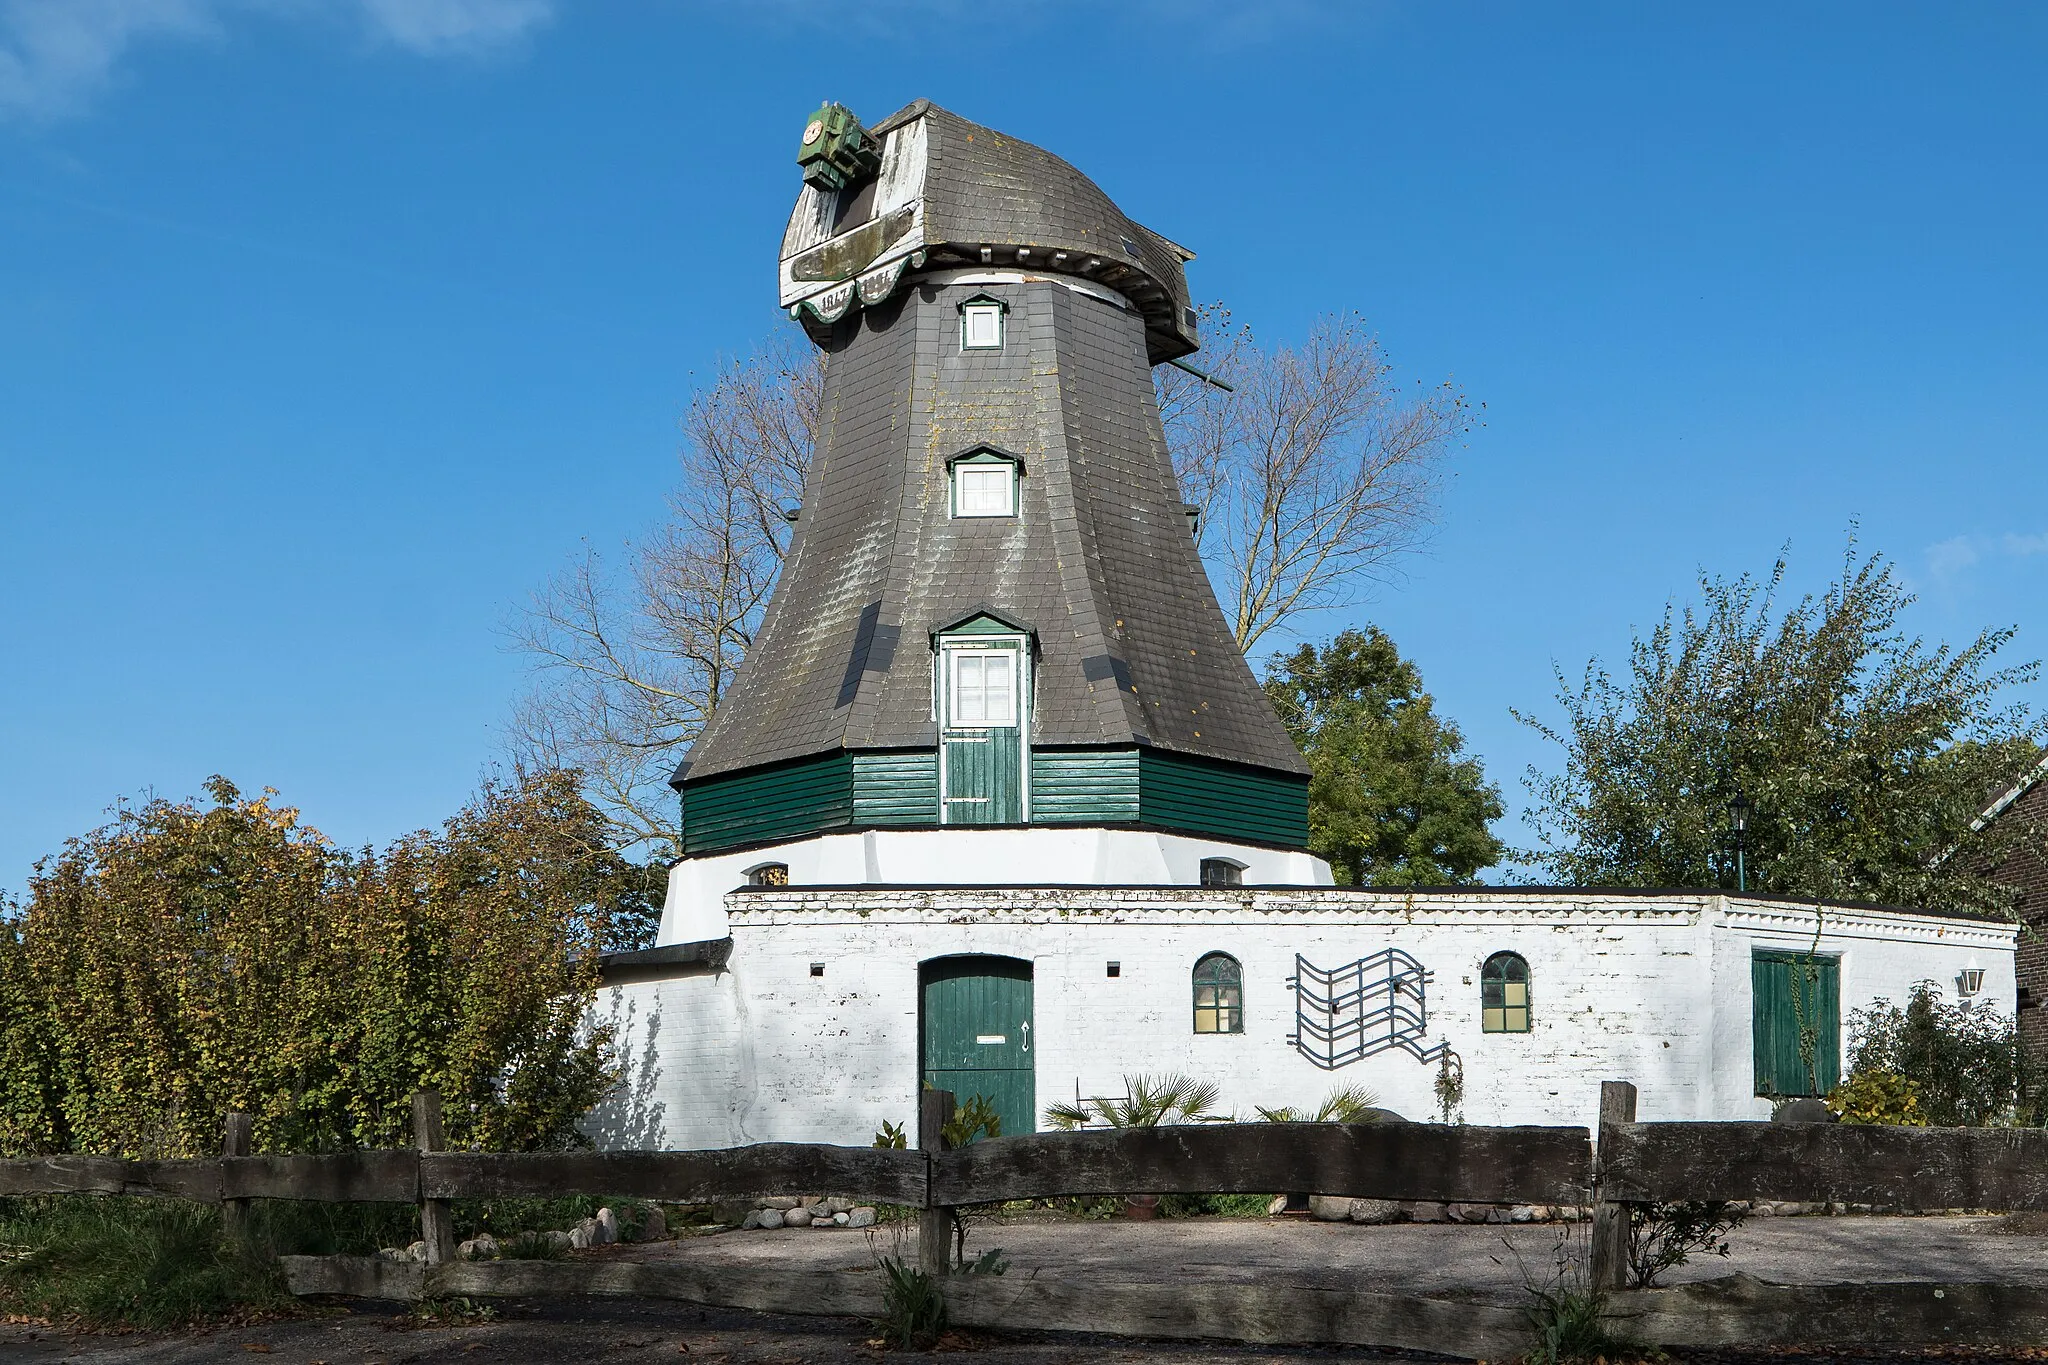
(629, 1116)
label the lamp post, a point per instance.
(1738, 820)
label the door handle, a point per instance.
(1026, 1031)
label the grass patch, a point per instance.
(130, 1263)
(532, 1246)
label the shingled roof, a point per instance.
(954, 193)
(1099, 563)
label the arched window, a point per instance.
(1219, 995)
(768, 874)
(1504, 994)
(1222, 872)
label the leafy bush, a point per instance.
(913, 1308)
(1966, 1064)
(1346, 1104)
(977, 1118)
(1661, 1236)
(1150, 1103)
(891, 1136)
(1878, 1097)
(1216, 1205)
(130, 1263)
(185, 960)
(531, 1246)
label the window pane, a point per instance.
(984, 490)
(1515, 994)
(996, 676)
(970, 698)
(1515, 1021)
(1493, 1021)
(982, 326)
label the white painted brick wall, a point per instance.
(1652, 990)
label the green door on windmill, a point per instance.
(1796, 1000)
(981, 736)
(976, 1026)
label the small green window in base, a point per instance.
(1504, 994)
(1219, 994)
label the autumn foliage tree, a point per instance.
(190, 959)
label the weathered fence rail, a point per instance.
(1634, 1163)
(769, 1168)
(1378, 1161)
(1927, 1168)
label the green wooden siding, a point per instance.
(1786, 988)
(1207, 797)
(1068, 786)
(896, 787)
(768, 803)
(1084, 786)
(976, 1026)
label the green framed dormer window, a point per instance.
(985, 484)
(981, 323)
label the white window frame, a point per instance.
(1006, 472)
(982, 324)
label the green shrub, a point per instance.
(118, 1262)
(1345, 1104)
(189, 959)
(282, 1227)
(1878, 1097)
(913, 1307)
(1966, 1064)
(1149, 1103)
(531, 1246)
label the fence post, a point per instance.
(935, 1229)
(1610, 1217)
(437, 1222)
(236, 1134)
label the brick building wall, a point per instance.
(2028, 869)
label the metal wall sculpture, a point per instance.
(1348, 1013)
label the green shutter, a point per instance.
(1788, 989)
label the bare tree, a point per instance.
(631, 665)
(1314, 476)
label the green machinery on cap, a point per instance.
(836, 150)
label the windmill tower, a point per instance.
(992, 617)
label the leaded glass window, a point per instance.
(1219, 994)
(1504, 994)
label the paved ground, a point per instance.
(1408, 1258)
(1488, 1262)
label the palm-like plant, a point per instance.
(1151, 1102)
(1346, 1104)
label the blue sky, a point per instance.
(330, 328)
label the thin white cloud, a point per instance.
(436, 26)
(56, 55)
(1948, 559)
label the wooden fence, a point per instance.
(1924, 1168)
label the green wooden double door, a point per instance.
(1796, 1000)
(975, 1027)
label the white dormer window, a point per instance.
(981, 323)
(984, 485)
